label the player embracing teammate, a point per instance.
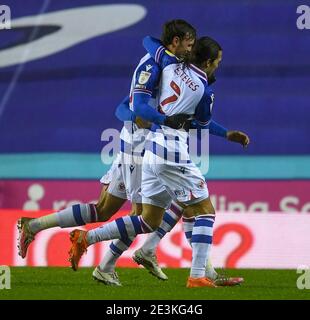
(133, 169)
(167, 170)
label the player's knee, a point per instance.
(200, 208)
(102, 217)
(137, 209)
(188, 212)
(99, 207)
(102, 214)
(153, 224)
(205, 210)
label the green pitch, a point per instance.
(63, 283)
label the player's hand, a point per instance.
(176, 121)
(239, 137)
(141, 123)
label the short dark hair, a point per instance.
(204, 49)
(177, 28)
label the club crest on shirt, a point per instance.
(180, 193)
(144, 77)
(121, 187)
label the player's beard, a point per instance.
(211, 78)
(185, 57)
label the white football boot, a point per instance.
(150, 263)
(108, 278)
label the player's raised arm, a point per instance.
(158, 52)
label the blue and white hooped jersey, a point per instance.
(183, 89)
(145, 80)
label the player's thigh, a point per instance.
(188, 212)
(110, 206)
(152, 215)
(202, 207)
(102, 196)
(136, 209)
(109, 203)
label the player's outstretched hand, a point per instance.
(176, 121)
(239, 137)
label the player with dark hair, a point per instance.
(162, 181)
(126, 182)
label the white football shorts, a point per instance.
(114, 179)
(163, 182)
(132, 177)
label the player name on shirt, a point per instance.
(186, 78)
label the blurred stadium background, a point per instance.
(65, 66)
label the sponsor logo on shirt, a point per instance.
(148, 67)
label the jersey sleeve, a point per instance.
(215, 128)
(147, 78)
(204, 109)
(123, 112)
(159, 53)
(145, 86)
(145, 111)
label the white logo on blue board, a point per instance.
(100, 20)
(5, 17)
(303, 21)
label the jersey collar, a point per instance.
(199, 72)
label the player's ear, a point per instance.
(208, 63)
(176, 41)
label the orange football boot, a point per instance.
(200, 282)
(78, 248)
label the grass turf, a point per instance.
(63, 283)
